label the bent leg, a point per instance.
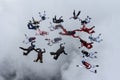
(52, 53)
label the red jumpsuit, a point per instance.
(69, 33)
(86, 64)
(87, 45)
(87, 30)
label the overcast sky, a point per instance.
(14, 15)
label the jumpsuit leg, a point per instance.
(56, 57)
(23, 48)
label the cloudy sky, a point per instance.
(14, 15)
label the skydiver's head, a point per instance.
(40, 50)
(83, 61)
(43, 17)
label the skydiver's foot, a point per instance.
(47, 39)
(95, 71)
(20, 47)
(100, 34)
(41, 61)
(55, 58)
(101, 39)
(23, 41)
(92, 32)
(77, 65)
(66, 54)
(83, 56)
(60, 32)
(34, 61)
(95, 56)
(93, 26)
(96, 52)
(48, 43)
(97, 65)
(52, 53)
(79, 47)
(25, 54)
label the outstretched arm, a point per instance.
(33, 19)
(60, 17)
(37, 49)
(78, 13)
(64, 52)
(32, 43)
(43, 51)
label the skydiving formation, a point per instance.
(54, 26)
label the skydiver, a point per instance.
(32, 26)
(69, 33)
(52, 28)
(88, 66)
(40, 55)
(35, 22)
(29, 49)
(53, 41)
(86, 44)
(75, 16)
(58, 52)
(85, 21)
(43, 17)
(95, 39)
(88, 54)
(60, 20)
(87, 30)
(29, 39)
(42, 33)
